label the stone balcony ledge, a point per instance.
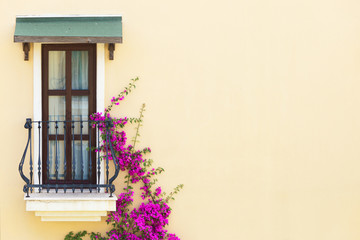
(70, 206)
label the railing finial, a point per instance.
(28, 123)
(109, 124)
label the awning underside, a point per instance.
(76, 29)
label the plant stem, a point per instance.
(122, 94)
(142, 109)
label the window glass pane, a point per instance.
(56, 156)
(56, 113)
(80, 160)
(79, 70)
(80, 112)
(57, 70)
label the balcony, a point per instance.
(68, 170)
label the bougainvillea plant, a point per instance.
(146, 221)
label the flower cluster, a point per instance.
(148, 220)
(145, 222)
(151, 218)
(127, 158)
(121, 216)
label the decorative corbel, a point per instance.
(26, 49)
(111, 51)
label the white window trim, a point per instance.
(37, 101)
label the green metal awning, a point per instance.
(73, 28)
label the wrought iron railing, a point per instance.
(88, 169)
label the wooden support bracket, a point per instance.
(111, 51)
(26, 49)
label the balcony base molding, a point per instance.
(70, 206)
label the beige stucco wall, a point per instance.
(253, 105)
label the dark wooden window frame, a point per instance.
(68, 93)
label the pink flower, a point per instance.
(158, 191)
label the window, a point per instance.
(63, 172)
(68, 98)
